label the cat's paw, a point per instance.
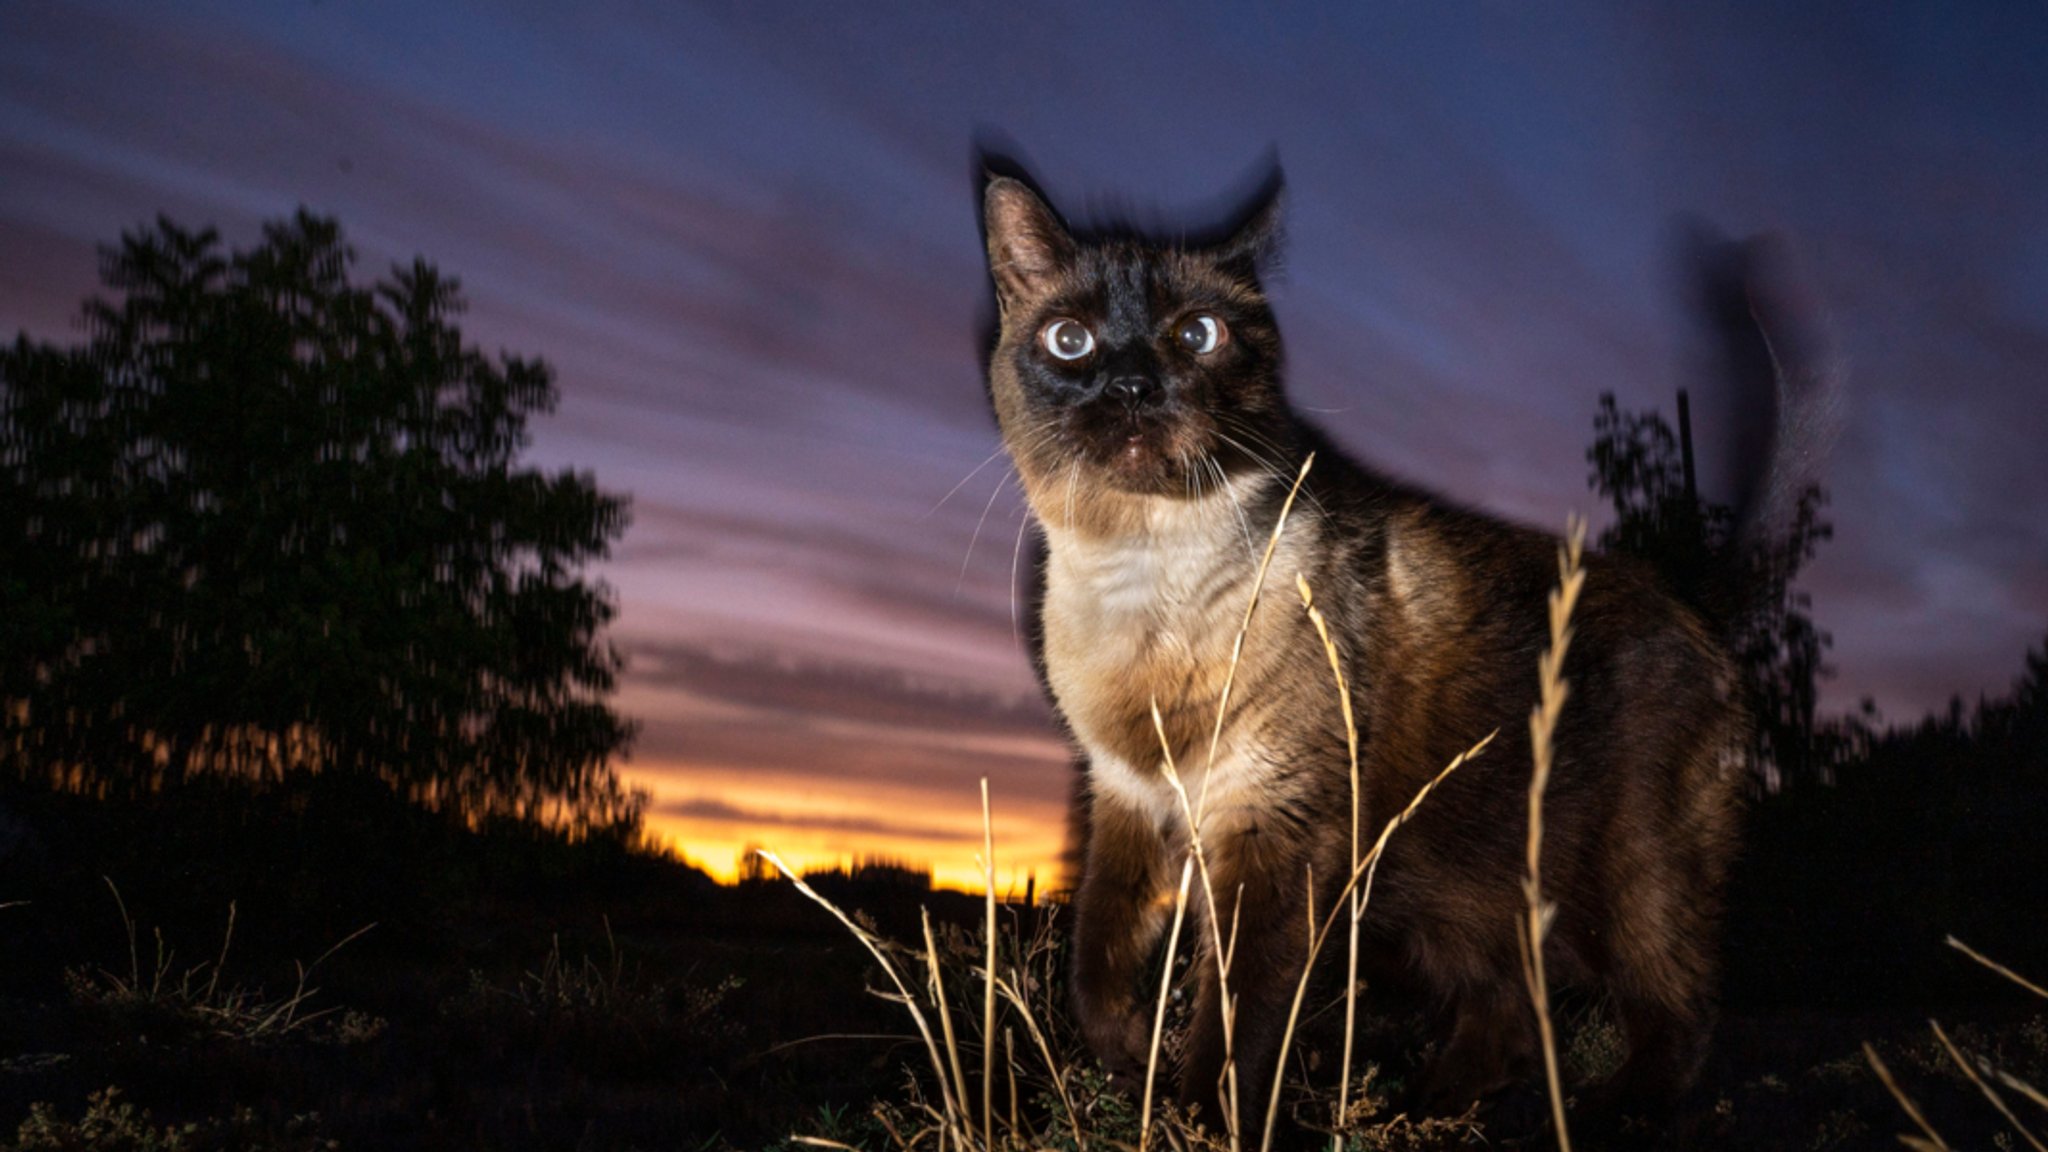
(1120, 1040)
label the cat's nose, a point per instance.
(1134, 391)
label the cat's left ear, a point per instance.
(1254, 247)
(1027, 245)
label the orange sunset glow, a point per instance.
(817, 825)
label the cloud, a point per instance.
(873, 694)
(706, 808)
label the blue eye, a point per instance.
(1201, 333)
(1067, 339)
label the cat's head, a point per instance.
(1124, 365)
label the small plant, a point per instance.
(196, 994)
(1838, 1128)
(111, 1124)
(599, 991)
(1597, 1048)
(1366, 1127)
(2034, 1034)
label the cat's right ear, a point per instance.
(1254, 246)
(1027, 244)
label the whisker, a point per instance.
(1237, 506)
(1264, 462)
(962, 484)
(1255, 435)
(1271, 457)
(974, 539)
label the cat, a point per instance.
(1138, 389)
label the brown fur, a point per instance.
(1154, 511)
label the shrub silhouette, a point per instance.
(267, 522)
(1641, 468)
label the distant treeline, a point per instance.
(1856, 872)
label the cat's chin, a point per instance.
(1133, 463)
(1142, 473)
(1154, 460)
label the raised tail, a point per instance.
(1780, 382)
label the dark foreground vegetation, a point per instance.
(311, 837)
(504, 986)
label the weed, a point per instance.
(1836, 1129)
(196, 996)
(598, 993)
(1364, 1126)
(111, 1124)
(1596, 1049)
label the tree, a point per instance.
(1639, 466)
(267, 522)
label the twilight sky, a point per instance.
(745, 237)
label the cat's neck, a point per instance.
(1226, 523)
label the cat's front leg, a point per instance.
(1119, 916)
(1260, 875)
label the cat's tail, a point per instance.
(1781, 385)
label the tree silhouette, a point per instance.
(268, 522)
(1639, 466)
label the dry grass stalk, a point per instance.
(1975, 1074)
(1180, 907)
(952, 1117)
(1010, 1063)
(2022, 1087)
(1989, 1092)
(1009, 991)
(1251, 607)
(988, 1000)
(1193, 812)
(2006, 1078)
(1995, 966)
(1571, 576)
(938, 991)
(1228, 1004)
(1933, 1138)
(1363, 872)
(1322, 626)
(1542, 728)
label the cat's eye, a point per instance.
(1068, 339)
(1202, 333)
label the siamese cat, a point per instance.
(1138, 385)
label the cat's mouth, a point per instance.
(1145, 452)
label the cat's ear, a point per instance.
(1027, 244)
(1254, 247)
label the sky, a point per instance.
(745, 236)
